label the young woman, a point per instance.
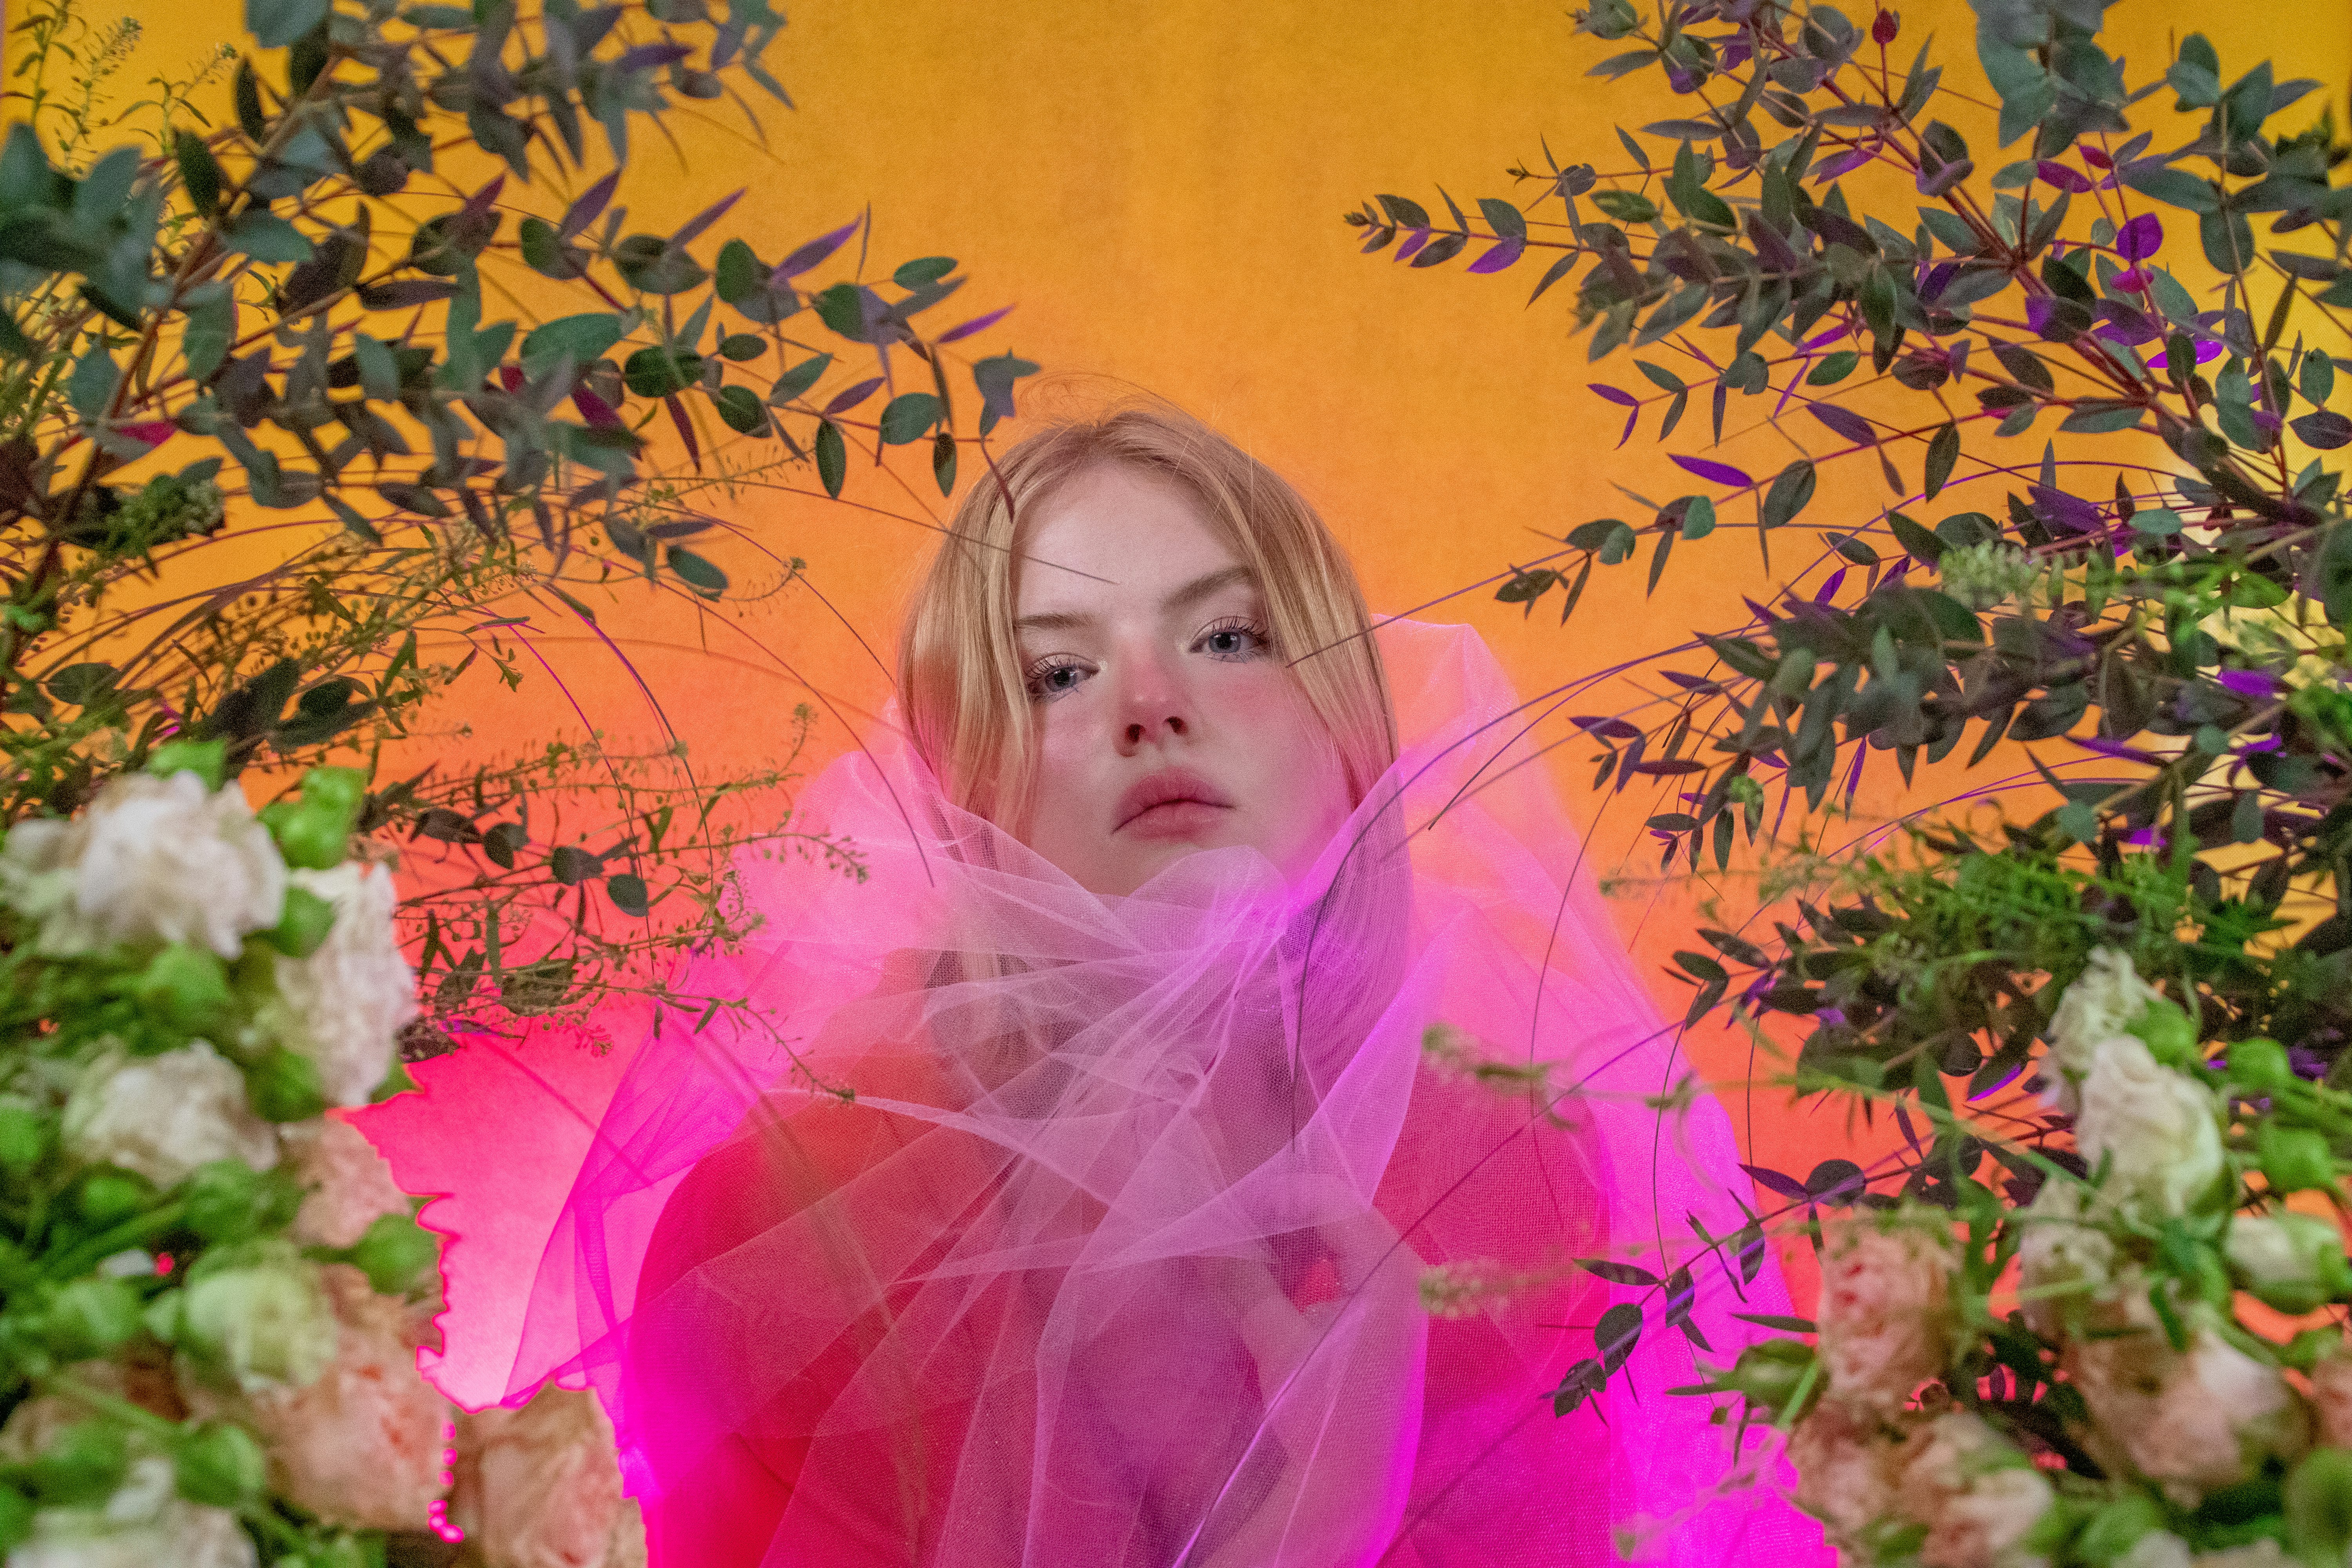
(1173, 1150)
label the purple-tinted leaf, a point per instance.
(702, 220)
(1836, 1182)
(1622, 399)
(1719, 473)
(647, 57)
(1499, 257)
(978, 323)
(1822, 340)
(1606, 727)
(2065, 178)
(1411, 245)
(814, 251)
(479, 204)
(2327, 429)
(2249, 682)
(2140, 238)
(2060, 510)
(594, 409)
(1626, 434)
(1830, 586)
(685, 428)
(1945, 177)
(1844, 165)
(1851, 425)
(1787, 1186)
(851, 396)
(583, 212)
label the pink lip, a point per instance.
(1172, 803)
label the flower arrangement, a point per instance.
(2093, 1310)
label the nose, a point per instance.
(1153, 706)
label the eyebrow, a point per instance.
(1183, 598)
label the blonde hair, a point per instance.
(959, 673)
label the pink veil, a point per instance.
(1007, 1224)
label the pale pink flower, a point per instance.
(1848, 1463)
(360, 1444)
(541, 1486)
(2190, 1420)
(1978, 1496)
(1885, 1311)
(350, 1184)
(2331, 1401)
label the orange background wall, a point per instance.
(1159, 188)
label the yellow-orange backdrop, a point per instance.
(1158, 186)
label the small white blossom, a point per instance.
(2061, 1245)
(152, 859)
(2291, 1260)
(2157, 1549)
(2104, 1001)
(1884, 1311)
(343, 1006)
(2158, 1132)
(142, 1525)
(163, 1116)
(261, 1318)
(1983, 575)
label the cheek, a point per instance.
(1282, 744)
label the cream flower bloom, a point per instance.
(152, 859)
(260, 1317)
(1976, 1495)
(2157, 1549)
(541, 1486)
(360, 1444)
(349, 1184)
(2159, 1132)
(1884, 1311)
(1846, 1460)
(2291, 1260)
(142, 1525)
(164, 1116)
(343, 1006)
(2192, 1420)
(2104, 1001)
(2061, 1245)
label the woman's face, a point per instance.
(1167, 721)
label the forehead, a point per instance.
(1114, 536)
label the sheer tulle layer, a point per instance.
(1019, 1225)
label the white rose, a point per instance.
(541, 1486)
(1884, 1311)
(2191, 1420)
(343, 1006)
(163, 1116)
(363, 1444)
(2293, 1262)
(2061, 1245)
(2157, 1549)
(2104, 1001)
(2159, 1132)
(258, 1315)
(152, 859)
(1846, 1464)
(1978, 1496)
(142, 1525)
(349, 1184)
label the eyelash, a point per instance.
(1043, 670)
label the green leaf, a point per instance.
(832, 456)
(2100, 416)
(1790, 493)
(200, 176)
(277, 24)
(798, 379)
(699, 575)
(628, 891)
(1503, 219)
(739, 273)
(1698, 518)
(211, 326)
(1916, 540)
(661, 371)
(1405, 212)
(1943, 451)
(740, 408)
(1834, 368)
(741, 346)
(2174, 187)
(2331, 575)
(1626, 206)
(265, 236)
(910, 417)
(924, 269)
(584, 337)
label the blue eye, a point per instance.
(1232, 640)
(1054, 680)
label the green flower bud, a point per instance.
(228, 1200)
(90, 1317)
(1769, 1373)
(394, 1252)
(283, 1086)
(2319, 1506)
(2167, 1033)
(163, 1317)
(303, 926)
(189, 986)
(110, 1196)
(83, 1464)
(221, 1465)
(2295, 1158)
(2260, 1066)
(208, 759)
(24, 1136)
(16, 1518)
(315, 834)
(258, 1315)
(16, 1271)
(2114, 1529)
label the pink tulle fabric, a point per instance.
(1004, 1223)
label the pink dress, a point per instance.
(1008, 1225)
